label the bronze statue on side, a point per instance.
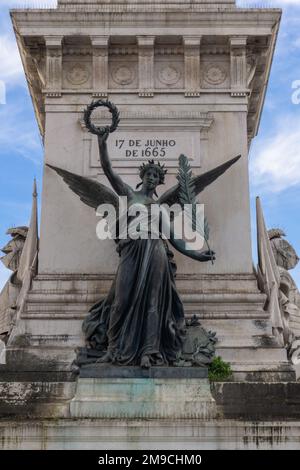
(141, 321)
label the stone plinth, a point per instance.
(140, 397)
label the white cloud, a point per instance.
(29, 3)
(19, 133)
(296, 43)
(4, 275)
(267, 3)
(11, 65)
(11, 70)
(275, 165)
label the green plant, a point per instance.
(219, 370)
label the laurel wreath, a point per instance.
(115, 117)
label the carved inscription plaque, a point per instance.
(129, 149)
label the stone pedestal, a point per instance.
(192, 76)
(169, 393)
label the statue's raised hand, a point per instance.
(102, 138)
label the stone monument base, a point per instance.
(49, 329)
(133, 393)
(154, 434)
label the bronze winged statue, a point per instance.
(141, 321)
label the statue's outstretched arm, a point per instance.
(121, 188)
(181, 245)
(203, 256)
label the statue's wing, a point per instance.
(91, 193)
(200, 182)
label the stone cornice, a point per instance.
(250, 18)
(162, 3)
(237, 24)
(136, 8)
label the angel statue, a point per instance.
(141, 321)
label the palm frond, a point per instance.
(187, 195)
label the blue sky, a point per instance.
(274, 156)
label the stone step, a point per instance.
(191, 297)
(242, 332)
(38, 359)
(257, 400)
(34, 397)
(252, 355)
(100, 284)
(217, 305)
(258, 364)
(231, 332)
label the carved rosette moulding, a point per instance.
(215, 74)
(78, 74)
(169, 75)
(123, 74)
